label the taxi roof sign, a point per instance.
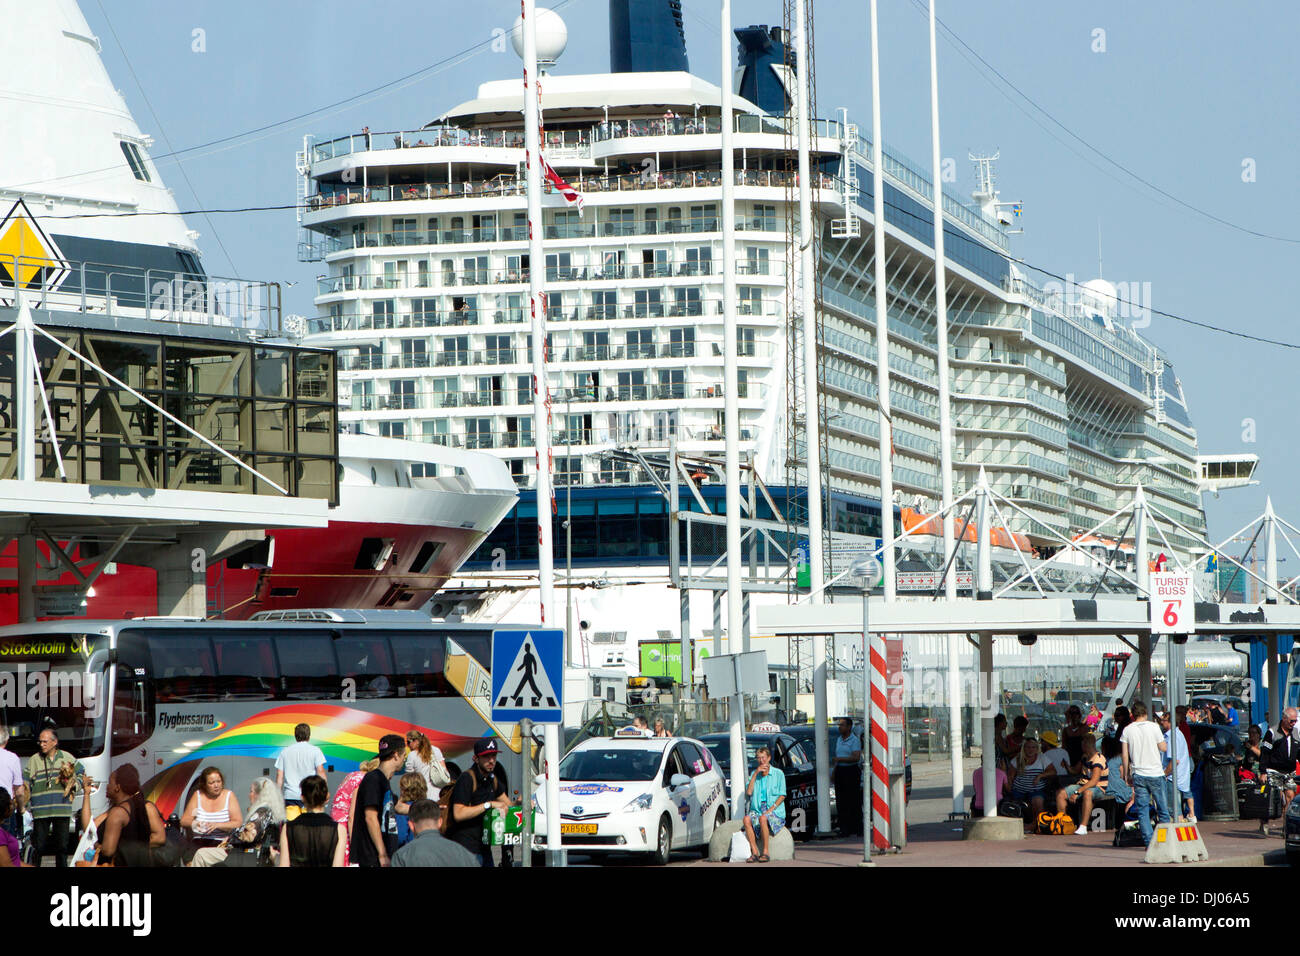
(632, 731)
(767, 727)
(29, 258)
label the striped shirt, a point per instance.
(41, 775)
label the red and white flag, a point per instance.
(570, 194)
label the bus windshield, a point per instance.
(52, 684)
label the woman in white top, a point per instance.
(426, 760)
(213, 812)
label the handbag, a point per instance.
(438, 775)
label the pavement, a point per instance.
(933, 841)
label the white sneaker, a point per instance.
(1081, 831)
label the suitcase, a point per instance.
(1259, 802)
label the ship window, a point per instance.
(373, 554)
(424, 557)
(135, 159)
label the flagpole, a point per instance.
(945, 428)
(541, 403)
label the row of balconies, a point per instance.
(578, 395)
(476, 358)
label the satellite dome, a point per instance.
(552, 37)
(1100, 298)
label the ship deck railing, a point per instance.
(565, 271)
(510, 187)
(150, 295)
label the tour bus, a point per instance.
(173, 696)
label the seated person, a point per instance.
(1015, 740)
(1058, 758)
(1253, 750)
(1027, 774)
(1089, 785)
(1001, 788)
(1112, 750)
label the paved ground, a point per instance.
(933, 841)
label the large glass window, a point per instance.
(307, 668)
(183, 668)
(245, 667)
(367, 661)
(418, 660)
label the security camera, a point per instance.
(1027, 640)
(584, 625)
(1178, 638)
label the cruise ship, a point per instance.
(81, 196)
(422, 238)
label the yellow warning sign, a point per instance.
(27, 255)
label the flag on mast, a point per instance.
(570, 194)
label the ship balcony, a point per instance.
(513, 398)
(332, 196)
(585, 440)
(489, 279)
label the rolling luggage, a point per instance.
(1259, 801)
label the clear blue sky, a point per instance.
(1184, 92)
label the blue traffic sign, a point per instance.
(528, 676)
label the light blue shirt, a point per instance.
(766, 791)
(1184, 771)
(845, 746)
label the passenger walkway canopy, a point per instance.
(1077, 612)
(153, 422)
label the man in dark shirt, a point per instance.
(478, 790)
(374, 828)
(431, 848)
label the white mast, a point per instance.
(882, 322)
(812, 437)
(731, 410)
(541, 400)
(945, 426)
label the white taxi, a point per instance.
(636, 794)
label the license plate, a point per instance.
(577, 828)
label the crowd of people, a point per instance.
(407, 806)
(1138, 761)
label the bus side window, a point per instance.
(366, 659)
(418, 663)
(307, 668)
(183, 669)
(132, 715)
(245, 667)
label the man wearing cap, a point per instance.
(478, 790)
(374, 835)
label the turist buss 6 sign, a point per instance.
(1173, 607)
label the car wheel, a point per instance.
(719, 819)
(663, 842)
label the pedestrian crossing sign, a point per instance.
(528, 676)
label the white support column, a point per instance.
(26, 419)
(1276, 692)
(541, 403)
(945, 422)
(984, 547)
(812, 424)
(882, 323)
(1144, 590)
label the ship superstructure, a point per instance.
(422, 236)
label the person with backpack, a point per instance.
(478, 790)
